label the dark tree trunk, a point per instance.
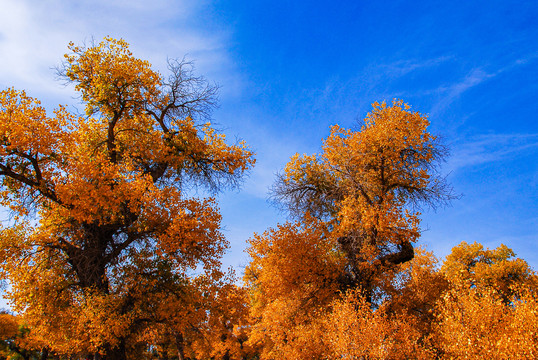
(362, 277)
(180, 344)
(113, 353)
(89, 263)
(44, 354)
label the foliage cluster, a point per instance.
(110, 256)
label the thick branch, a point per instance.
(36, 184)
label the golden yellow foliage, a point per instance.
(479, 324)
(345, 282)
(498, 269)
(354, 331)
(414, 293)
(293, 277)
(110, 220)
(351, 244)
(362, 184)
(9, 326)
(204, 317)
(490, 311)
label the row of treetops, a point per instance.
(108, 258)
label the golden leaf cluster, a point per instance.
(111, 256)
(104, 219)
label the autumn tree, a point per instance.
(472, 266)
(353, 330)
(203, 318)
(490, 310)
(9, 330)
(16, 341)
(292, 280)
(101, 201)
(356, 211)
(367, 186)
(299, 312)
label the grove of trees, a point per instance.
(109, 255)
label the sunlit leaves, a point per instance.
(292, 277)
(106, 195)
(345, 282)
(110, 79)
(366, 186)
(477, 323)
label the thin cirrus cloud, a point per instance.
(403, 67)
(350, 98)
(487, 148)
(449, 93)
(34, 36)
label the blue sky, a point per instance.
(290, 69)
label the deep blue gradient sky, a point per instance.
(288, 70)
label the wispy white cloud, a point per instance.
(403, 67)
(342, 99)
(526, 59)
(34, 36)
(489, 148)
(475, 77)
(447, 94)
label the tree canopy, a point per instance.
(110, 220)
(109, 255)
(366, 186)
(344, 280)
